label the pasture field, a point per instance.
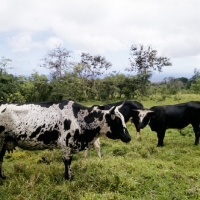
(138, 170)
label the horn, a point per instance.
(120, 105)
(111, 111)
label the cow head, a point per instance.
(144, 116)
(116, 123)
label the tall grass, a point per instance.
(138, 170)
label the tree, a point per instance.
(145, 60)
(195, 85)
(4, 63)
(107, 88)
(57, 60)
(94, 65)
(88, 70)
(8, 83)
(192, 80)
(68, 87)
(173, 85)
(34, 88)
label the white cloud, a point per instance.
(52, 42)
(22, 42)
(87, 21)
(101, 26)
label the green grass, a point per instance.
(170, 99)
(138, 170)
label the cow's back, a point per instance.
(175, 116)
(37, 126)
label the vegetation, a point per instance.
(83, 80)
(138, 170)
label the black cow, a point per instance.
(127, 111)
(65, 124)
(175, 116)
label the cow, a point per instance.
(128, 113)
(67, 125)
(177, 116)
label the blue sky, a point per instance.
(29, 28)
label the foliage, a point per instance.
(145, 60)
(174, 85)
(34, 88)
(8, 88)
(87, 80)
(57, 60)
(68, 87)
(89, 70)
(4, 64)
(92, 67)
(8, 85)
(195, 86)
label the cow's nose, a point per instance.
(127, 139)
(140, 126)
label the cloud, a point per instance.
(103, 27)
(52, 42)
(25, 41)
(22, 42)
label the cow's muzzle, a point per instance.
(126, 137)
(141, 126)
(126, 140)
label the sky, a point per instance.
(30, 28)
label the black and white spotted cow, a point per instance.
(65, 124)
(177, 116)
(127, 111)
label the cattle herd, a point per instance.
(72, 127)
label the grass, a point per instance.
(138, 170)
(170, 99)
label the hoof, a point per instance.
(69, 179)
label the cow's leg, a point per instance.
(68, 170)
(2, 150)
(160, 135)
(138, 133)
(86, 152)
(97, 147)
(67, 159)
(197, 133)
(2, 153)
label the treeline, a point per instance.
(87, 79)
